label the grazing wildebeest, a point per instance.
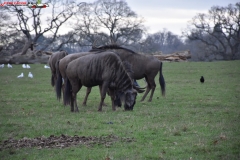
(143, 66)
(61, 74)
(55, 57)
(105, 70)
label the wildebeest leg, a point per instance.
(55, 80)
(147, 90)
(112, 95)
(86, 96)
(72, 103)
(103, 90)
(153, 86)
(146, 93)
(52, 80)
(74, 96)
(63, 87)
(100, 88)
(76, 86)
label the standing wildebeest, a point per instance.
(53, 60)
(143, 67)
(61, 73)
(104, 69)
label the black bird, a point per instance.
(202, 79)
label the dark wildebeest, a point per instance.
(61, 74)
(143, 66)
(53, 60)
(105, 70)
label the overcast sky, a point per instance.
(171, 14)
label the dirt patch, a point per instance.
(62, 141)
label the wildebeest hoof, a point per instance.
(104, 104)
(84, 104)
(149, 100)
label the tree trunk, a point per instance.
(235, 50)
(27, 45)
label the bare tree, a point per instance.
(10, 39)
(87, 28)
(111, 18)
(219, 30)
(162, 41)
(34, 23)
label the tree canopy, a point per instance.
(219, 30)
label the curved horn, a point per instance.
(137, 87)
(139, 90)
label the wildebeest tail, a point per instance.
(161, 80)
(67, 93)
(59, 82)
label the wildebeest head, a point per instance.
(130, 99)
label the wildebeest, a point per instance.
(105, 70)
(143, 66)
(61, 74)
(52, 62)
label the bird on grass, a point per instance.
(27, 66)
(46, 66)
(202, 79)
(24, 66)
(9, 65)
(20, 76)
(2, 66)
(30, 75)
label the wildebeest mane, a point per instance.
(128, 68)
(110, 46)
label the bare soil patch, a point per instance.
(62, 141)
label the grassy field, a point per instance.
(194, 121)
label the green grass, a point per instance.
(195, 120)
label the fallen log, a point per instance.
(29, 58)
(175, 57)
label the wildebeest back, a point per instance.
(93, 69)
